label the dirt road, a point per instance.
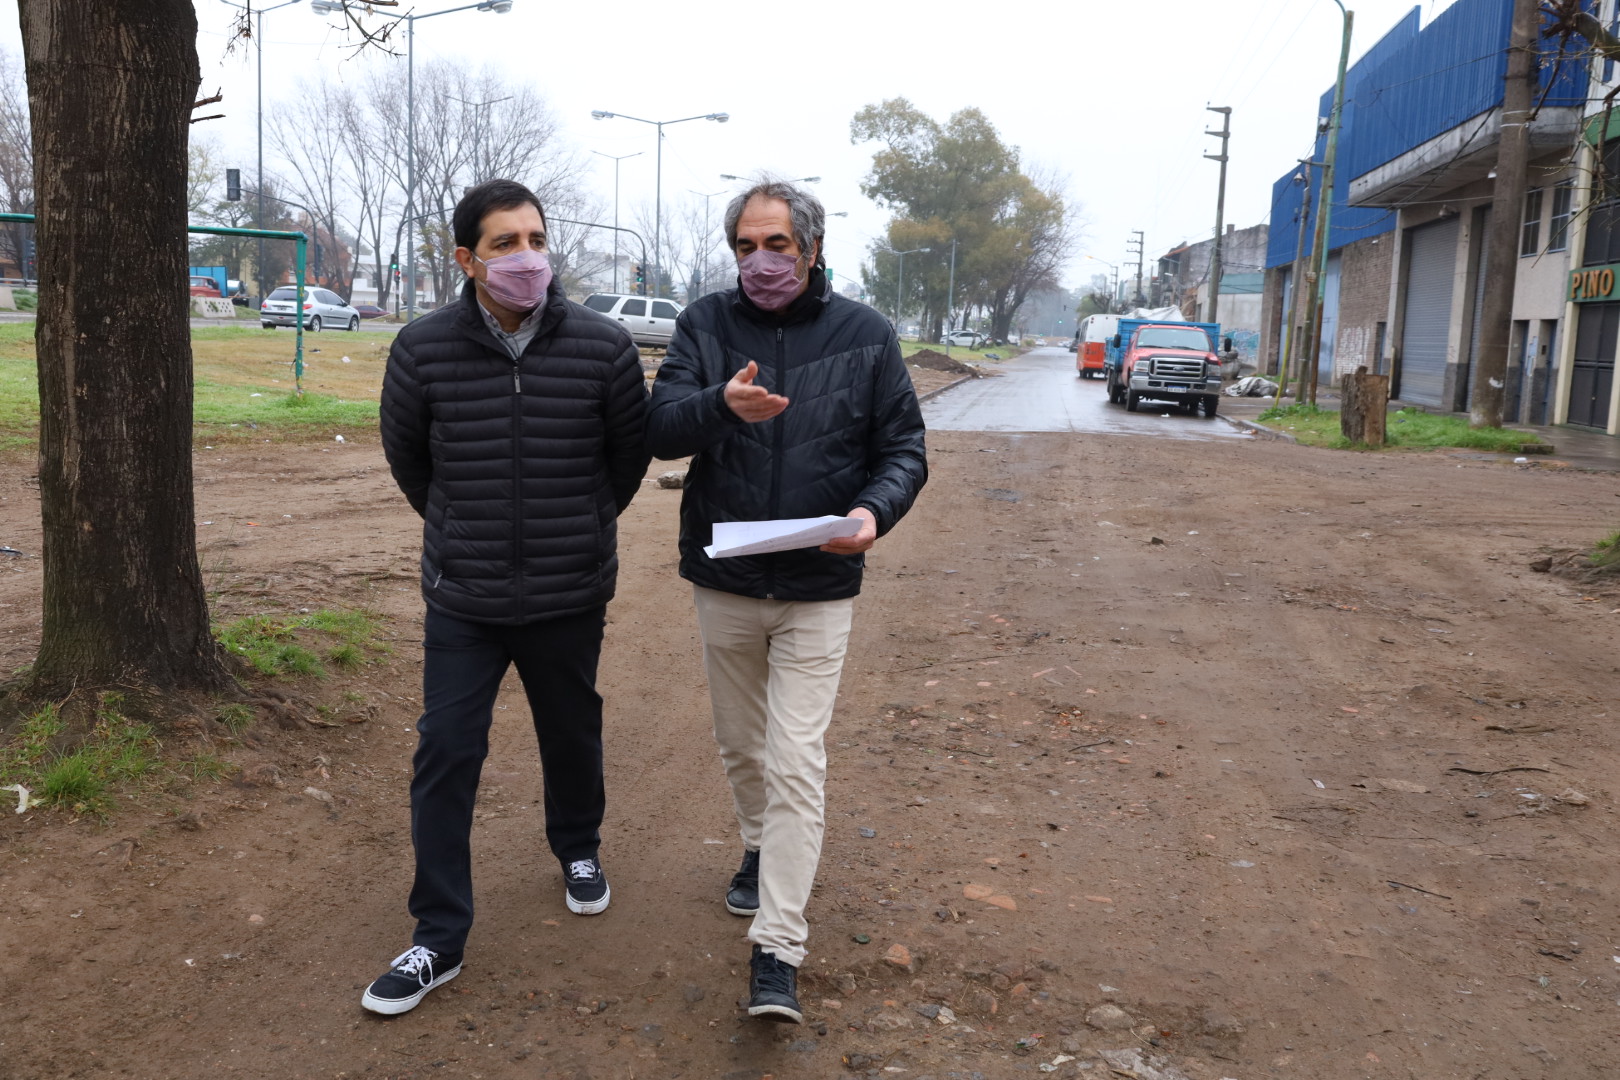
(1234, 804)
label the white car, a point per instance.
(323, 308)
(651, 321)
(968, 339)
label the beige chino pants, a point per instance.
(773, 668)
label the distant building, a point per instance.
(1182, 280)
(1408, 244)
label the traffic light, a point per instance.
(641, 278)
(393, 262)
(233, 185)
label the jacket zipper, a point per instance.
(517, 486)
(776, 461)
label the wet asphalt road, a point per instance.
(1040, 391)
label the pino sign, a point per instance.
(1594, 284)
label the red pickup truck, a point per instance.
(1164, 361)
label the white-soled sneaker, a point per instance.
(588, 892)
(412, 974)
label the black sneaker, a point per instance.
(773, 989)
(415, 972)
(742, 898)
(588, 892)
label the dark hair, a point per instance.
(467, 223)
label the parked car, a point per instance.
(968, 339)
(369, 311)
(204, 286)
(651, 321)
(322, 308)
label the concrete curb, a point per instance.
(941, 390)
(1260, 430)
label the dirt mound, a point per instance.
(938, 361)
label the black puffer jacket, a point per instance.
(518, 468)
(852, 434)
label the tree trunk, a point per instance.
(1364, 407)
(111, 85)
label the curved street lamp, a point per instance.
(795, 180)
(329, 7)
(900, 283)
(658, 188)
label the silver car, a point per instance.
(322, 308)
(651, 321)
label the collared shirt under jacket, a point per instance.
(519, 466)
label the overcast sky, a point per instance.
(1109, 94)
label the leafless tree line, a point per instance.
(338, 164)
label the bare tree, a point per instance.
(16, 161)
(310, 138)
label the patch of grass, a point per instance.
(272, 647)
(203, 766)
(31, 745)
(116, 751)
(243, 383)
(347, 657)
(1316, 426)
(235, 716)
(1606, 552)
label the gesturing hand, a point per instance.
(752, 403)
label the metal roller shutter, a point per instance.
(1429, 279)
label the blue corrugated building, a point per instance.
(1411, 198)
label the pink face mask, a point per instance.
(770, 278)
(518, 281)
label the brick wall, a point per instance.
(1364, 275)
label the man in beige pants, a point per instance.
(794, 403)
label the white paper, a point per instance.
(757, 537)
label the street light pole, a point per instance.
(707, 246)
(658, 189)
(900, 284)
(616, 161)
(1324, 213)
(326, 7)
(258, 64)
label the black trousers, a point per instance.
(463, 665)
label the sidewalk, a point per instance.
(1580, 448)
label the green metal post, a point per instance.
(298, 351)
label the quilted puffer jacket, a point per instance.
(851, 436)
(519, 468)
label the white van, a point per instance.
(1095, 330)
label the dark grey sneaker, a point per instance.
(413, 973)
(773, 989)
(742, 898)
(588, 892)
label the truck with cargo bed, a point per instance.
(1161, 360)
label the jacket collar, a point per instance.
(806, 306)
(470, 313)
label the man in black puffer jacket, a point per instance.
(795, 404)
(512, 421)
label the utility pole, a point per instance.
(1220, 210)
(1138, 247)
(1324, 213)
(1294, 278)
(1507, 202)
(950, 300)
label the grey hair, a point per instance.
(804, 211)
